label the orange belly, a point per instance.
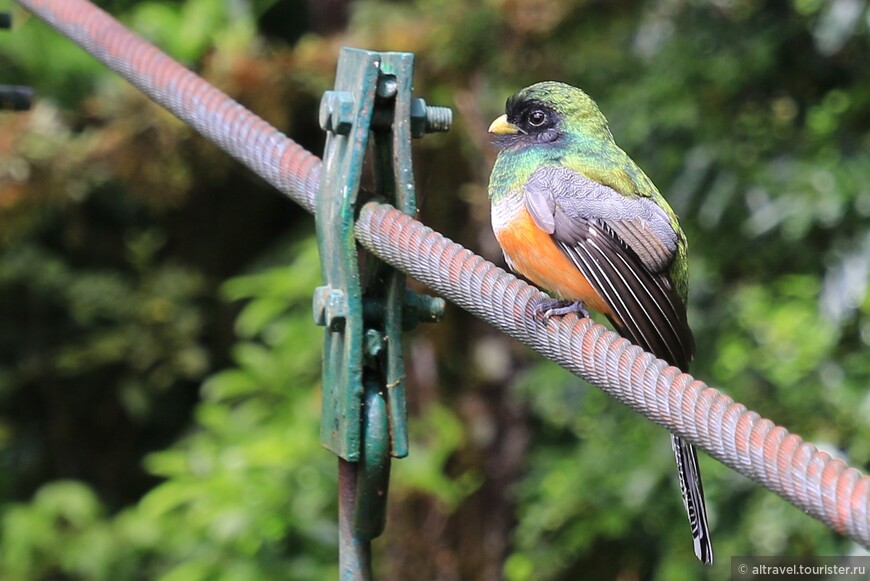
(535, 256)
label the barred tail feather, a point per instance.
(693, 497)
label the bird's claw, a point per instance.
(552, 307)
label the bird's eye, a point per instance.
(537, 118)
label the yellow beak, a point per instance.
(502, 126)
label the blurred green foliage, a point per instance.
(159, 370)
(248, 480)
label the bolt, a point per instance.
(431, 309)
(326, 108)
(418, 117)
(337, 112)
(438, 119)
(374, 342)
(388, 87)
(329, 308)
(421, 309)
(425, 119)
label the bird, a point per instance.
(576, 216)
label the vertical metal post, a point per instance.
(364, 415)
(354, 553)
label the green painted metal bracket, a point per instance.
(364, 417)
(346, 115)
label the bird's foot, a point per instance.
(553, 307)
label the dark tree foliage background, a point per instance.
(159, 370)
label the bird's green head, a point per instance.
(548, 113)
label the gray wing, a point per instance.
(623, 247)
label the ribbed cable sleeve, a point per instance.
(822, 486)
